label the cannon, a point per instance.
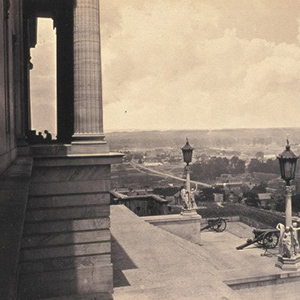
(265, 237)
(217, 224)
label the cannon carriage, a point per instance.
(266, 237)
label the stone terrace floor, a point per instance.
(152, 264)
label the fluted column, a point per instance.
(88, 114)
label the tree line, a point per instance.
(216, 166)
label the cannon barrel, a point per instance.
(205, 227)
(248, 243)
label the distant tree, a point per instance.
(203, 157)
(279, 199)
(259, 155)
(254, 165)
(205, 194)
(272, 166)
(217, 166)
(261, 188)
(296, 203)
(214, 167)
(252, 195)
(172, 159)
(251, 198)
(236, 165)
(138, 156)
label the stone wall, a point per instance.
(66, 248)
(14, 188)
(145, 206)
(9, 85)
(187, 227)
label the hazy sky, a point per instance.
(187, 64)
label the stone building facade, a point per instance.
(54, 198)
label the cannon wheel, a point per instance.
(270, 240)
(220, 226)
(260, 242)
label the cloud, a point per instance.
(172, 62)
(190, 64)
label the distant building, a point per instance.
(265, 201)
(145, 204)
(218, 197)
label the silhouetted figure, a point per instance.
(40, 138)
(48, 137)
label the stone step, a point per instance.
(65, 238)
(66, 282)
(59, 226)
(65, 213)
(52, 201)
(65, 251)
(69, 174)
(69, 187)
(14, 187)
(161, 265)
(64, 263)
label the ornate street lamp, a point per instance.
(288, 161)
(187, 152)
(288, 258)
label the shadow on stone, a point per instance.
(121, 261)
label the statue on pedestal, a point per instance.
(188, 198)
(288, 240)
(184, 194)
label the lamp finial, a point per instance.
(288, 146)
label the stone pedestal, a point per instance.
(288, 264)
(66, 247)
(189, 212)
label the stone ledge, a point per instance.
(98, 296)
(186, 226)
(250, 282)
(171, 218)
(72, 151)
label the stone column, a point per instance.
(65, 108)
(18, 77)
(88, 115)
(288, 206)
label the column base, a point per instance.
(288, 264)
(91, 143)
(88, 138)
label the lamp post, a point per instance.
(288, 258)
(187, 152)
(288, 161)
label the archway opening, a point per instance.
(43, 82)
